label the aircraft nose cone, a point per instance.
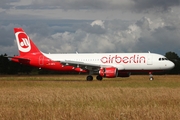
(171, 65)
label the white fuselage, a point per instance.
(122, 61)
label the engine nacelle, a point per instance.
(78, 69)
(108, 72)
(124, 74)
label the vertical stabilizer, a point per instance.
(24, 43)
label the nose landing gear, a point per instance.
(151, 76)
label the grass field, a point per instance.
(72, 98)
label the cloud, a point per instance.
(86, 9)
(141, 36)
(6, 36)
(76, 4)
(158, 33)
(93, 5)
(6, 4)
(92, 25)
(162, 36)
(159, 5)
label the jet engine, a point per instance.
(108, 72)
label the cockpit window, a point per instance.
(162, 59)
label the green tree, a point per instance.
(4, 63)
(13, 68)
(176, 60)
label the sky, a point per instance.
(92, 26)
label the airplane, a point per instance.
(104, 65)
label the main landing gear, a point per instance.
(90, 77)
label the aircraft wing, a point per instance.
(87, 65)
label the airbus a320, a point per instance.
(109, 65)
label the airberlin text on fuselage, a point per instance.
(123, 59)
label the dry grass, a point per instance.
(73, 98)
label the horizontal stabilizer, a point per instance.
(20, 59)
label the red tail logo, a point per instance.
(23, 42)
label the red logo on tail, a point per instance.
(23, 42)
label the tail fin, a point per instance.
(25, 44)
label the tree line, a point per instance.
(7, 67)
